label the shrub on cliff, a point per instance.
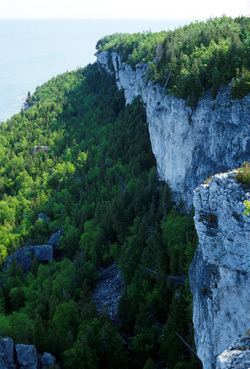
(247, 205)
(243, 174)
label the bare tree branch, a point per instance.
(185, 343)
(180, 279)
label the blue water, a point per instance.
(34, 51)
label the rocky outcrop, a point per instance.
(41, 253)
(26, 356)
(220, 271)
(48, 360)
(108, 291)
(55, 238)
(43, 217)
(237, 356)
(25, 256)
(7, 353)
(22, 356)
(40, 148)
(189, 144)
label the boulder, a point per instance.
(22, 356)
(43, 217)
(40, 148)
(48, 360)
(7, 353)
(25, 255)
(55, 238)
(26, 356)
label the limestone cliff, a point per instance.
(189, 145)
(237, 356)
(220, 271)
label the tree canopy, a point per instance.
(98, 182)
(193, 58)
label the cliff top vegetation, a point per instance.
(191, 59)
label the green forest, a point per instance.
(98, 182)
(204, 55)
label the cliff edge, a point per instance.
(188, 144)
(220, 271)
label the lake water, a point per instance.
(33, 51)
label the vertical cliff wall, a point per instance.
(189, 145)
(220, 271)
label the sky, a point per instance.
(125, 9)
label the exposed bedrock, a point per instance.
(220, 271)
(189, 144)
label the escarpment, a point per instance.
(220, 271)
(107, 300)
(189, 144)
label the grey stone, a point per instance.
(7, 353)
(22, 356)
(220, 271)
(237, 356)
(43, 217)
(48, 360)
(26, 356)
(43, 253)
(22, 257)
(40, 148)
(108, 291)
(189, 144)
(25, 255)
(55, 238)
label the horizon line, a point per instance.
(124, 19)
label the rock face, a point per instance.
(7, 353)
(237, 356)
(108, 291)
(189, 145)
(26, 356)
(42, 253)
(25, 255)
(55, 238)
(220, 271)
(22, 356)
(48, 360)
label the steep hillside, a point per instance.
(96, 174)
(80, 161)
